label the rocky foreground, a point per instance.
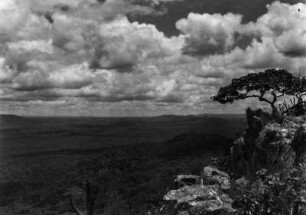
(266, 169)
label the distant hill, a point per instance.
(9, 116)
(8, 121)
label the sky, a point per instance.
(140, 57)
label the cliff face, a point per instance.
(268, 162)
(269, 144)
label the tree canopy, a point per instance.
(267, 86)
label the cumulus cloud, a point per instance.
(71, 77)
(12, 15)
(69, 33)
(209, 34)
(292, 43)
(125, 44)
(112, 8)
(44, 61)
(278, 42)
(157, 2)
(35, 27)
(59, 51)
(262, 55)
(79, 81)
(32, 46)
(6, 73)
(285, 24)
(39, 76)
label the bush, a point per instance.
(276, 193)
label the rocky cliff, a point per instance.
(269, 144)
(267, 169)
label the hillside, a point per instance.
(20, 135)
(133, 160)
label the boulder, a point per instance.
(201, 199)
(212, 175)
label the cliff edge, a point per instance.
(264, 173)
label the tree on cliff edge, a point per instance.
(267, 86)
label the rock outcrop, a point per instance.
(212, 175)
(268, 144)
(271, 154)
(273, 149)
(200, 199)
(202, 194)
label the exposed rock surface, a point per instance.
(273, 148)
(193, 197)
(212, 175)
(271, 145)
(201, 199)
(267, 148)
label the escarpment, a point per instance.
(264, 172)
(268, 144)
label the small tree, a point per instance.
(267, 86)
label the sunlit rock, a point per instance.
(201, 199)
(212, 175)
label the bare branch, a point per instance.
(259, 97)
(292, 101)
